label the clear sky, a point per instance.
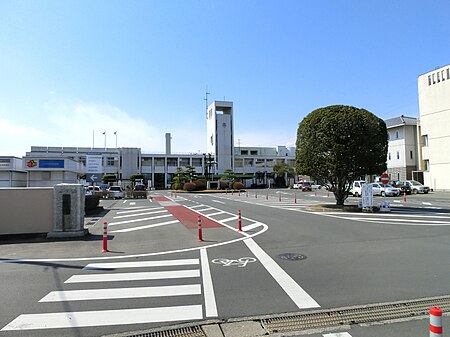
(70, 70)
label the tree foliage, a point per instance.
(340, 144)
(281, 170)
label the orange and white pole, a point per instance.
(256, 195)
(295, 198)
(239, 221)
(279, 197)
(200, 233)
(404, 197)
(435, 322)
(105, 237)
(267, 195)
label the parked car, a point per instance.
(303, 185)
(115, 192)
(416, 187)
(139, 191)
(402, 186)
(385, 190)
(356, 187)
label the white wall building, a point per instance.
(403, 157)
(12, 173)
(434, 105)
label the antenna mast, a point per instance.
(206, 101)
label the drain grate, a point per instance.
(354, 315)
(291, 256)
(192, 331)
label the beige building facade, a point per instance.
(434, 127)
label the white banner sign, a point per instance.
(367, 195)
(94, 164)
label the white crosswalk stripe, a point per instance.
(95, 274)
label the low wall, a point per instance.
(26, 210)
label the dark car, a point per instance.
(139, 191)
(306, 186)
(403, 187)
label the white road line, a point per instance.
(204, 209)
(132, 229)
(338, 334)
(124, 201)
(105, 317)
(300, 297)
(208, 289)
(217, 213)
(116, 293)
(197, 206)
(219, 202)
(132, 203)
(426, 203)
(403, 220)
(154, 275)
(139, 209)
(252, 226)
(139, 214)
(143, 264)
(229, 219)
(138, 220)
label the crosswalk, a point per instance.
(98, 283)
(397, 216)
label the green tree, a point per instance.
(340, 144)
(109, 178)
(281, 171)
(179, 179)
(137, 177)
(190, 173)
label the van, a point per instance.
(356, 187)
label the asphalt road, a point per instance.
(286, 259)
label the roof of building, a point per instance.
(400, 121)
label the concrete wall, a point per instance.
(434, 105)
(26, 210)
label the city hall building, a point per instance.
(47, 166)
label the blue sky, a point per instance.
(71, 68)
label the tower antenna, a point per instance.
(206, 101)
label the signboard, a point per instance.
(94, 164)
(384, 178)
(51, 163)
(367, 195)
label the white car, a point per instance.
(385, 190)
(356, 188)
(115, 192)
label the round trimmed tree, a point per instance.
(340, 144)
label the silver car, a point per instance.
(115, 192)
(385, 190)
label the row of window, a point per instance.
(439, 76)
(411, 156)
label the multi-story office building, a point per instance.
(434, 129)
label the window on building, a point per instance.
(269, 162)
(253, 152)
(438, 76)
(427, 164)
(429, 79)
(184, 162)
(448, 73)
(398, 176)
(259, 163)
(434, 81)
(197, 162)
(443, 75)
(212, 140)
(159, 162)
(172, 162)
(46, 175)
(424, 140)
(248, 162)
(410, 155)
(398, 155)
(397, 134)
(244, 152)
(110, 161)
(389, 156)
(389, 136)
(146, 161)
(238, 163)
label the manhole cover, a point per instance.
(292, 256)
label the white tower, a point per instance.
(220, 134)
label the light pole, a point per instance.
(115, 134)
(104, 134)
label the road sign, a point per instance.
(384, 178)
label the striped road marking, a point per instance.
(139, 214)
(120, 293)
(338, 334)
(143, 264)
(139, 220)
(105, 317)
(132, 229)
(155, 275)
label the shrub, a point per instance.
(238, 185)
(223, 184)
(189, 187)
(200, 185)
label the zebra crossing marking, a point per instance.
(141, 264)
